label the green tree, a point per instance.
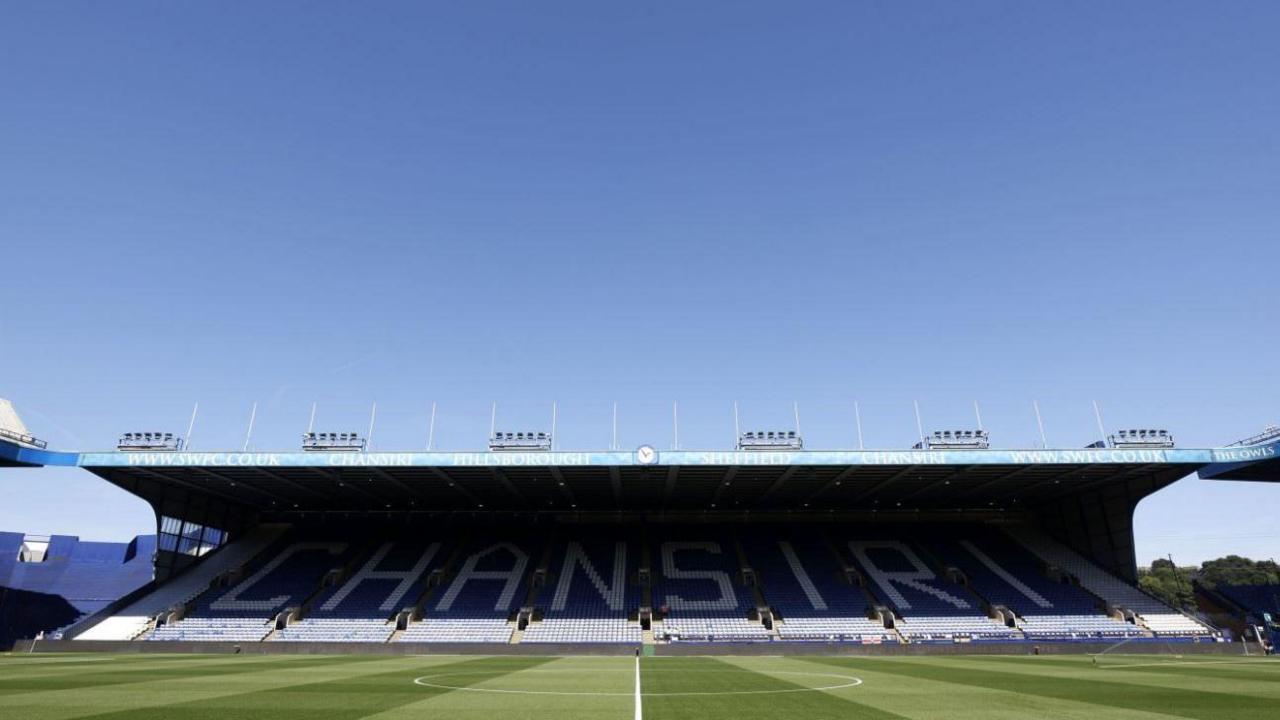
(1168, 584)
(1236, 570)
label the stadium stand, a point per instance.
(1006, 575)
(479, 600)
(809, 597)
(699, 593)
(767, 541)
(362, 607)
(246, 610)
(590, 597)
(1162, 620)
(131, 621)
(1254, 599)
(714, 583)
(40, 574)
(929, 608)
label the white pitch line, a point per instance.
(639, 714)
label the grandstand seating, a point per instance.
(1005, 574)
(589, 595)
(1162, 620)
(698, 593)
(930, 628)
(280, 578)
(1076, 627)
(961, 583)
(801, 581)
(478, 601)
(336, 630)
(361, 607)
(1255, 599)
(216, 629)
(131, 621)
(929, 608)
(584, 630)
(459, 630)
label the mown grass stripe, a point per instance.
(1169, 700)
(1232, 669)
(1234, 678)
(120, 662)
(70, 704)
(342, 698)
(13, 684)
(710, 675)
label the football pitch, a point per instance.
(236, 687)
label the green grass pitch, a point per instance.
(244, 687)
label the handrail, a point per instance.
(1270, 433)
(26, 439)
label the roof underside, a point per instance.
(676, 489)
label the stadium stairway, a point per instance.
(139, 616)
(850, 571)
(1162, 620)
(438, 578)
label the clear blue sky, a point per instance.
(591, 202)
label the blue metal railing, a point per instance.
(25, 439)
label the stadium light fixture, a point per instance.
(526, 441)
(149, 442)
(333, 442)
(770, 440)
(955, 440)
(1141, 438)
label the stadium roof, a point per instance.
(661, 481)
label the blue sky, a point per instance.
(596, 202)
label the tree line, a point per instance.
(1173, 584)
